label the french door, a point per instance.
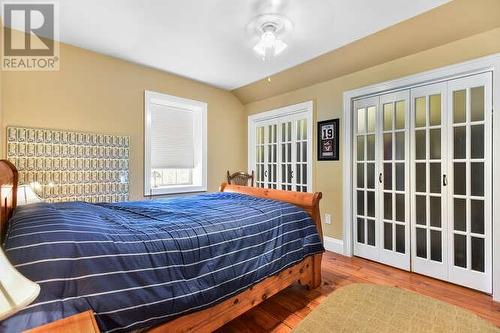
(280, 150)
(422, 187)
(381, 197)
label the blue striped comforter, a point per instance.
(138, 264)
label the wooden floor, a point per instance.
(284, 311)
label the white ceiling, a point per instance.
(208, 40)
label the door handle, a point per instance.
(380, 178)
(265, 173)
(445, 180)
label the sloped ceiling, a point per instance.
(452, 21)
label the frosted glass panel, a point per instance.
(388, 206)
(388, 146)
(371, 119)
(435, 177)
(477, 179)
(421, 240)
(436, 248)
(459, 98)
(420, 177)
(420, 145)
(459, 141)
(459, 178)
(435, 110)
(388, 236)
(370, 200)
(370, 232)
(400, 238)
(477, 103)
(400, 177)
(477, 141)
(477, 216)
(435, 211)
(420, 111)
(361, 230)
(400, 207)
(435, 142)
(477, 254)
(370, 147)
(360, 150)
(400, 146)
(460, 247)
(304, 174)
(420, 209)
(388, 176)
(370, 175)
(400, 115)
(459, 214)
(388, 113)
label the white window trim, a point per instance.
(476, 66)
(305, 108)
(200, 171)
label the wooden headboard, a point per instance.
(8, 194)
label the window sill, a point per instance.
(174, 190)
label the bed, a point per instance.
(177, 265)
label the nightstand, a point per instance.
(80, 323)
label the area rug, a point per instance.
(375, 308)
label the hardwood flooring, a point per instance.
(285, 310)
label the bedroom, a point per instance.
(372, 120)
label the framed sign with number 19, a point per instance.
(328, 140)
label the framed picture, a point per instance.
(328, 140)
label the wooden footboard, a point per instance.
(307, 272)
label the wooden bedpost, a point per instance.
(8, 194)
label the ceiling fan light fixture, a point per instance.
(270, 44)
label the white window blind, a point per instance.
(172, 137)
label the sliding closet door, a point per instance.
(366, 184)
(470, 172)
(422, 180)
(282, 152)
(428, 180)
(394, 180)
(381, 169)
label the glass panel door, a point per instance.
(469, 168)
(429, 179)
(280, 151)
(394, 180)
(366, 184)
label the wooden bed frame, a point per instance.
(307, 272)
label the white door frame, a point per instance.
(480, 65)
(306, 109)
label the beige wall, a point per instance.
(328, 103)
(97, 93)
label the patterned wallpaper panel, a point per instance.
(71, 166)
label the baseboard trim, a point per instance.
(333, 244)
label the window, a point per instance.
(175, 144)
